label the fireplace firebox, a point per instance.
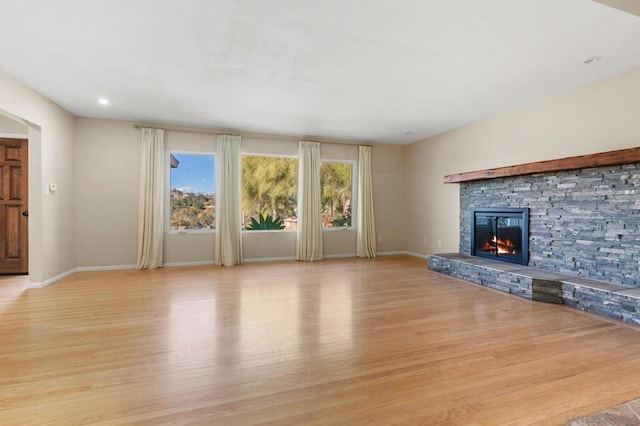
(501, 234)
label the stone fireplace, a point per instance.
(584, 232)
(582, 222)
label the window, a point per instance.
(269, 192)
(192, 195)
(336, 180)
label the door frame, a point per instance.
(34, 173)
(36, 188)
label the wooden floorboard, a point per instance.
(342, 341)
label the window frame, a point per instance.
(167, 204)
(354, 195)
(266, 231)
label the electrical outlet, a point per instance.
(439, 243)
(426, 242)
(379, 238)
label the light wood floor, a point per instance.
(335, 342)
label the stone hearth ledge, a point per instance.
(615, 301)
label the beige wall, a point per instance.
(107, 176)
(51, 160)
(9, 126)
(390, 206)
(599, 117)
(107, 164)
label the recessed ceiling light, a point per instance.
(591, 60)
(103, 101)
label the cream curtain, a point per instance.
(309, 237)
(365, 222)
(150, 201)
(228, 244)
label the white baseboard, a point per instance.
(339, 256)
(52, 280)
(104, 268)
(290, 258)
(269, 259)
(129, 267)
(182, 264)
(390, 253)
(420, 255)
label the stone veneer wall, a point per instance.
(582, 222)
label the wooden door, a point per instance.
(14, 211)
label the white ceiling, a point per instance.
(392, 71)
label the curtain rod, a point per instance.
(247, 134)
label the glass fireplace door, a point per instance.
(501, 234)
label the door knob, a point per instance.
(25, 213)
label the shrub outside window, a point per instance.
(192, 191)
(336, 181)
(269, 192)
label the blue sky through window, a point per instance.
(195, 173)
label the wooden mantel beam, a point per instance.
(610, 158)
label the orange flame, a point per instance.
(503, 246)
